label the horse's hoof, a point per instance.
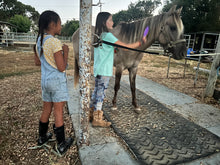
(137, 110)
(114, 108)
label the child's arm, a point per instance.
(61, 58)
(36, 58)
(132, 45)
(136, 44)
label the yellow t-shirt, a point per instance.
(51, 46)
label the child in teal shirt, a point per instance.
(103, 65)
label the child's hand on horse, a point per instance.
(144, 39)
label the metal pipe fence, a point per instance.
(9, 38)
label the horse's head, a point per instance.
(171, 34)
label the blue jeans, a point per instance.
(98, 95)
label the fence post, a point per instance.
(210, 87)
(84, 65)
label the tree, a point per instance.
(23, 23)
(10, 8)
(198, 15)
(120, 16)
(138, 10)
(69, 28)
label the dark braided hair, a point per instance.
(100, 25)
(43, 24)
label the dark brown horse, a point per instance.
(166, 28)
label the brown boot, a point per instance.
(98, 121)
(91, 110)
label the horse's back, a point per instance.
(75, 39)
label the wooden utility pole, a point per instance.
(99, 4)
(85, 40)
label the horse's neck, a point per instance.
(126, 34)
(155, 23)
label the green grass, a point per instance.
(3, 75)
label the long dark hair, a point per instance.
(45, 19)
(100, 25)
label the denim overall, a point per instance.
(53, 82)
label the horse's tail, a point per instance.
(75, 39)
(76, 72)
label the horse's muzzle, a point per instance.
(177, 50)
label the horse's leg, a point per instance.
(118, 74)
(132, 79)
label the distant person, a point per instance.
(190, 51)
(52, 57)
(103, 65)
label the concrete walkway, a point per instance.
(106, 149)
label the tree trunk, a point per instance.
(209, 91)
(210, 87)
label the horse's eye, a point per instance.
(173, 28)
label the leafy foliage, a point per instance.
(21, 22)
(10, 8)
(69, 28)
(136, 11)
(198, 15)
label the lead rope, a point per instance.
(119, 46)
(47, 148)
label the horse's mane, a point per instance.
(179, 24)
(133, 31)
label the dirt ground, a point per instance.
(21, 106)
(155, 68)
(21, 103)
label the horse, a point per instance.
(166, 28)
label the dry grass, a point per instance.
(18, 62)
(15, 63)
(155, 68)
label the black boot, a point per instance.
(62, 144)
(43, 135)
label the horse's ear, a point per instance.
(172, 10)
(179, 10)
